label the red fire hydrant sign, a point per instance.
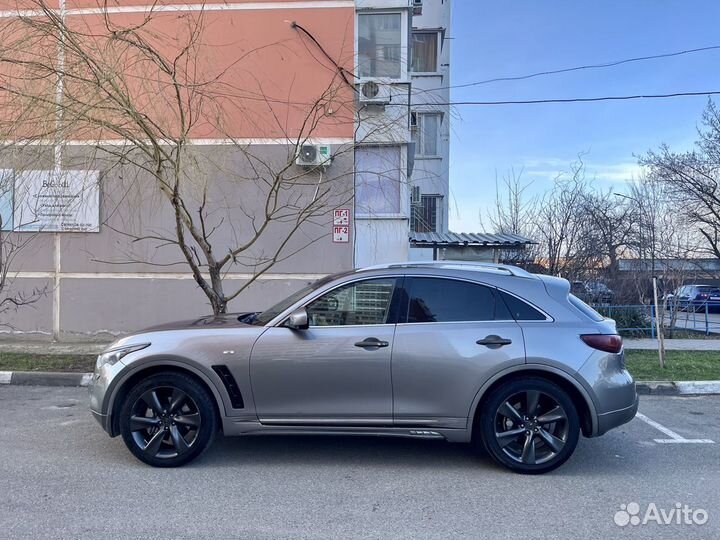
(341, 216)
(341, 225)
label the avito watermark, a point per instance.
(680, 514)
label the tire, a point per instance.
(524, 442)
(168, 419)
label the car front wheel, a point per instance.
(168, 419)
(530, 426)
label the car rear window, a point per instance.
(584, 308)
(519, 310)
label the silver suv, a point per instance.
(467, 352)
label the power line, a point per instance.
(580, 100)
(576, 68)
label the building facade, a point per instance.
(430, 116)
(302, 105)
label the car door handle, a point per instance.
(493, 341)
(371, 342)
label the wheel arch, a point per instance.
(132, 377)
(579, 395)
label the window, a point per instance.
(425, 133)
(6, 200)
(425, 213)
(424, 52)
(447, 300)
(380, 45)
(584, 308)
(364, 302)
(377, 180)
(519, 310)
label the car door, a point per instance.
(453, 336)
(338, 370)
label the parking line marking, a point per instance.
(685, 441)
(675, 438)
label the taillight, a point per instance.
(611, 343)
(703, 296)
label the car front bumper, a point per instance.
(99, 390)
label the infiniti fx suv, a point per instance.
(491, 355)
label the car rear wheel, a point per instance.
(168, 419)
(529, 425)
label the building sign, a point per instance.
(341, 233)
(341, 216)
(341, 225)
(50, 201)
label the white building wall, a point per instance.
(431, 94)
(384, 237)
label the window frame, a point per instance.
(407, 289)
(393, 312)
(417, 132)
(404, 52)
(438, 41)
(438, 198)
(360, 213)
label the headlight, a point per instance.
(114, 355)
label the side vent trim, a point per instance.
(236, 399)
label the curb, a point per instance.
(679, 388)
(652, 388)
(45, 378)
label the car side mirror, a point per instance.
(298, 320)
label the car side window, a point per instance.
(519, 310)
(449, 300)
(362, 302)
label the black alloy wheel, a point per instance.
(168, 420)
(529, 425)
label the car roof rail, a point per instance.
(506, 269)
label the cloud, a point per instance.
(551, 168)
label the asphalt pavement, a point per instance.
(62, 477)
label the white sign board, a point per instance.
(341, 233)
(50, 201)
(341, 216)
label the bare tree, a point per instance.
(608, 225)
(12, 298)
(693, 178)
(559, 225)
(154, 93)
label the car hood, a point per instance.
(226, 320)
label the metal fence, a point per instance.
(640, 319)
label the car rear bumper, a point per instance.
(613, 419)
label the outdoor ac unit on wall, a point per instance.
(374, 92)
(313, 155)
(417, 7)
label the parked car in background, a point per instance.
(466, 352)
(695, 298)
(592, 292)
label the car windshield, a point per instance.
(261, 319)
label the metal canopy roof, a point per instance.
(432, 239)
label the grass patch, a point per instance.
(47, 362)
(679, 365)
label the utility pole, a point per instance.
(659, 316)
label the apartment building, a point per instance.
(430, 116)
(318, 93)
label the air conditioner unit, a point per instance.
(313, 155)
(417, 6)
(374, 92)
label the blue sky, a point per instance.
(500, 38)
